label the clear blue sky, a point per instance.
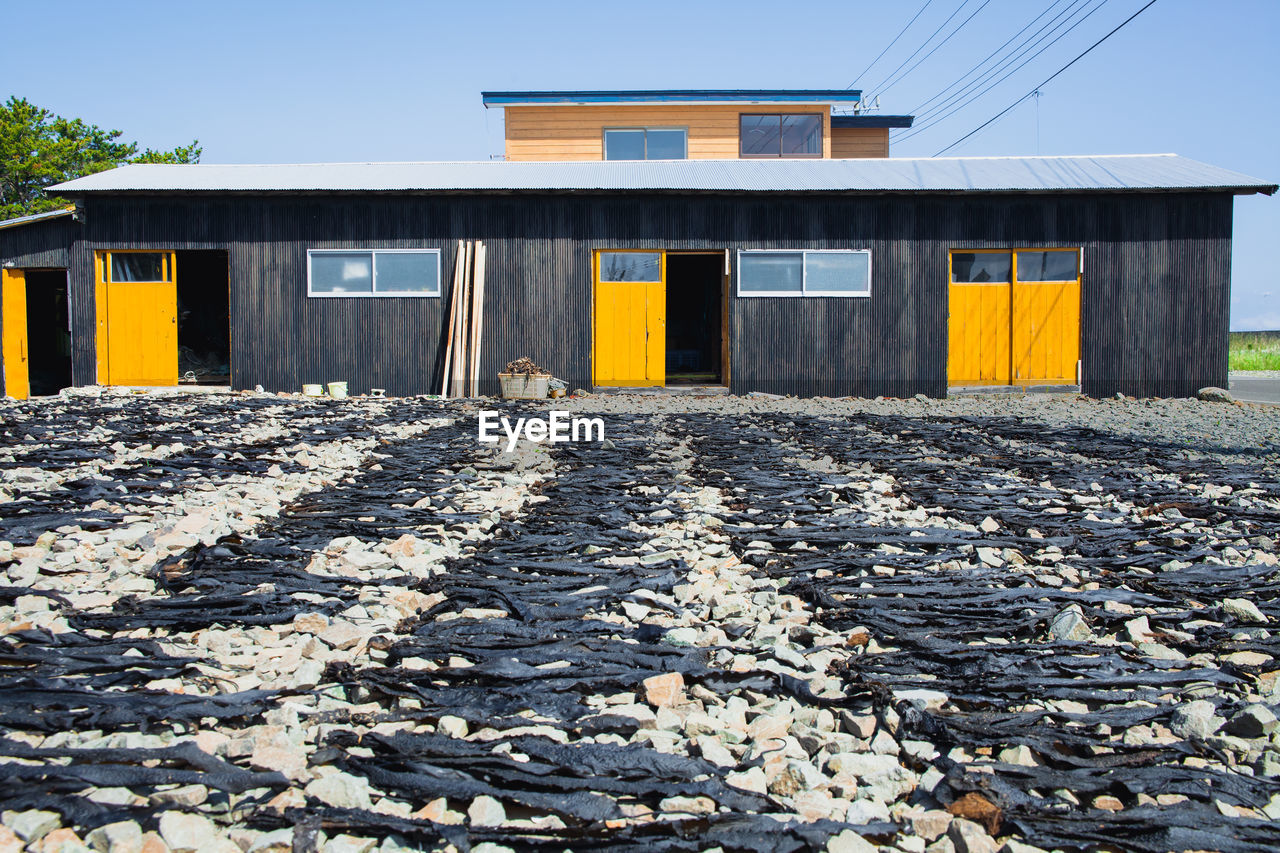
(281, 81)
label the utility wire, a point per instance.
(938, 119)
(915, 110)
(963, 3)
(891, 44)
(1031, 43)
(1047, 79)
(899, 78)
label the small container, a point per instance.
(312, 390)
(520, 386)
(338, 390)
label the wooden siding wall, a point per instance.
(1156, 283)
(850, 142)
(577, 132)
(45, 243)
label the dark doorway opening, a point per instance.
(204, 317)
(694, 318)
(48, 332)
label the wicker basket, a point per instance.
(520, 386)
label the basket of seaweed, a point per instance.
(524, 380)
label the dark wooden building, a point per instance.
(832, 277)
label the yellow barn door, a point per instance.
(978, 328)
(13, 290)
(1046, 316)
(1014, 317)
(137, 318)
(630, 318)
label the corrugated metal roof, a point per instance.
(668, 96)
(1119, 173)
(37, 217)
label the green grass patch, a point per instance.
(1254, 351)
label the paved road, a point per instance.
(1256, 390)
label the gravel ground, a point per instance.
(257, 623)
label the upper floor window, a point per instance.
(646, 143)
(780, 135)
(378, 272)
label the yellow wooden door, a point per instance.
(13, 290)
(630, 318)
(1046, 316)
(137, 318)
(978, 325)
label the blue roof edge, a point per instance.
(872, 121)
(638, 96)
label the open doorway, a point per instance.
(204, 317)
(48, 332)
(695, 283)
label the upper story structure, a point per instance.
(694, 124)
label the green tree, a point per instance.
(39, 149)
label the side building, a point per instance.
(819, 276)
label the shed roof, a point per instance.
(1114, 173)
(37, 217)
(673, 96)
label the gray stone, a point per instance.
(187, 795)
(688, 805)
(341, 790)
(849, 841)
(276, 841)
(1252, 721)
(1244, 610)
(1070, 624)
(968, 837)
(486, 811)
(1213, 394)
(454, 727)
(186, 833)
(349, 844)
(1195, 720)
(1013, 845)
(33, 824)
(122, 837)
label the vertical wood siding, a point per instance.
(1154, 317)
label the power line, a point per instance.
(891, 44)
(915, 110)
(1027, 45)
(900, 77)
(939, 119)
(963, 3)
(1049, 78)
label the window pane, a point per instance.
(630, 266)
(759, 134)
(1047, 266)
(770, 271)
(407, 272)
(666, 144)
(624, 145)
(342, 272)
(137, 266)
(974, 267)
(837, 272)
(801, 134)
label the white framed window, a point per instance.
(646, 143)
(804, 272)
(373, 272)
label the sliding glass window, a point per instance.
(646, 143)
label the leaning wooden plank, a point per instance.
(459, 374)
(458, 260)
(477, 320)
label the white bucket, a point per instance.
(338, 390)
(312, 390)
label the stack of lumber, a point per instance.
(466, 322)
